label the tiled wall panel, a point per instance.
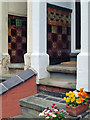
(17, 38)
(58, 33)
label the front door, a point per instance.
(17, 38)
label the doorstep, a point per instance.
(61, 83)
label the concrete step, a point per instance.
(63, 75)
(22, 117)
(59, 82)
(62, 69)
(16, 66)
(33, 105)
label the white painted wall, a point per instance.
(83, 58)
(17, 8)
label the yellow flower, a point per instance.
(71, 94)
(68, 99)
(67, 94)
(65, 98)
(72, 99)
(78, 101)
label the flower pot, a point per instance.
(74, 111)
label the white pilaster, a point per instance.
(39, 57)
(27, 56)
(83, 79)
(4, 57)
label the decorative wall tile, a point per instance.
(17, 38)
(58, 33)
(13, 52)
(13, 39)
(54, 29)
(59, 37)
(9, 46)
(19, 46)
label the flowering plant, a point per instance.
(76, 98)
(53, 113)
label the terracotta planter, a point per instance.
(74, 111)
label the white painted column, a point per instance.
(83, 59)
(4, 57)
(27, 56)
(39, 57)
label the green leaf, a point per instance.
(85, 103)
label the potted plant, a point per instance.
(53, 113)
(77, 102)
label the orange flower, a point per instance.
(81, 100)
(79, 95)
(84, 94)
(81, 90)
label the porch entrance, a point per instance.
(17, 38)
(58, 33)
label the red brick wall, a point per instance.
(10, 99)
(54, 89)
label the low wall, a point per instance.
(20, 86)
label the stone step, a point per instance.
(62, 69)
(16, 66)
(59, 82)
(11, 73)
(62, 76)
(33, 105)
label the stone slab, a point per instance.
(62, 69)
(2, 89)
(16, 66)
(10, 83)
(39, 103)
(27, 74)
(71, 84)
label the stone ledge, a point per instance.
(16, 66)
(16, 80)
(62, 69)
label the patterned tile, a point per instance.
(18, 22)
(13, 39)
(58, 33)
(13, 32)
(59, 37)
(19, 46)
(54, 45)
(64, 30)
(54, 29)
(17, 38)
(24, 40)
(9, 46)
(13, 53)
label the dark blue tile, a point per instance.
(27, 74)
(14, 81)
(2, 89)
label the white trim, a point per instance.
(73, 34)
(16, 14)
